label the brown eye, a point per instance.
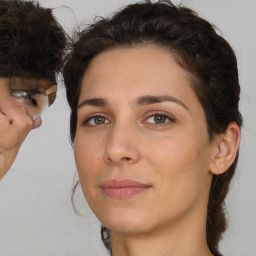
(160, 119)
(99, 120)
(96, 120)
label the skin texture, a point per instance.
(15, 124)
(164, 145)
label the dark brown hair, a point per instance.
(32, 42)
(198, 49)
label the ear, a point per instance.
(225, 149)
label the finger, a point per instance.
(15, 130)
(7, 158)
(37, 123)
(4, 123)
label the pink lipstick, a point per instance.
(122, 189)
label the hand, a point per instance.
(15, 124)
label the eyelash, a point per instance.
(168, 118)
(86, 122)
(158, 114)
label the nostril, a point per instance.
(126, 158)
(120, 152)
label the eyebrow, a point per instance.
(144, 100)
(150, 99)
(95, 102)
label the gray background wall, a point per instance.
(36, 215)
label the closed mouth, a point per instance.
(122, 189)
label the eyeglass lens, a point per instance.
(33, 101)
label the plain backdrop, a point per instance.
(36, 214)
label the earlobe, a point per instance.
(226, 149)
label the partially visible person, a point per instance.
(155, 125)
(32, 45)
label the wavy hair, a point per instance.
(32, 42)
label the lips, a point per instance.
(122, 189)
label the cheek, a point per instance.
(86, 166)
(172, 151)
(86, 153)
(181, 166)
(86, 150)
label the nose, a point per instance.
(122, 147)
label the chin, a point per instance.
(125, 221)
(126, 228)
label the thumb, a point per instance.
(37, 123)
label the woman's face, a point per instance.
(141, 147)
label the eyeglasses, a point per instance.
(35, 101)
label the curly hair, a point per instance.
(198, 49)
(32, 42)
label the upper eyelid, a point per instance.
(146, 115)
(98, 115)
(163, 113)
(167, 116)
(169, 120)
(89, 117)
(85, 115)
(92, 117)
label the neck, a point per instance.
(184, 237)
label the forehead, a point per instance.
(141, 70)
